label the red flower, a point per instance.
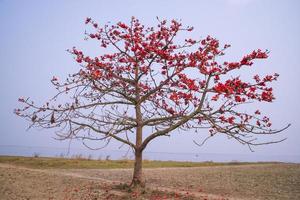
(54, 78)
(222, 118)
(231, 120)
(21, 99)
(87, 20)
(257, 112)
(190, 29)
(238, 99)
(261, 55)
(96, 73)
(215, 98)
(122, 25)
(267, 96)
(257, 123)
(220, 87)
(233, 65)
(256, 78)
(217, 77)
(174, 96)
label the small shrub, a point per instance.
(107, 158)
(36, 155)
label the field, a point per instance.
(58, 178)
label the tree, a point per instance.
(149, 81)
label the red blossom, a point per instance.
(21, 99)
(238, 99)
(267, 96)
(231, 119)
(233, 65)
(215, 97)
(190, 29)
(122, 25)
(87, 20)
(258, 123)
(96, 73)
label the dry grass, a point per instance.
(269, 181)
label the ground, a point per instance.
(244, 182)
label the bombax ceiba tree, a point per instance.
(147, 79)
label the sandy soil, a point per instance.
(272, 181)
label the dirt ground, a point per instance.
(269, 181)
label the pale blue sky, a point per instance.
(35, 35)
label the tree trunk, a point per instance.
(138, 180)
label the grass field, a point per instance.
(76, 179)
(84, 163)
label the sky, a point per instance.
(36, 34)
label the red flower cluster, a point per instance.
(234, 86)
(229, 120)
(142, 52)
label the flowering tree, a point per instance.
(150, 81)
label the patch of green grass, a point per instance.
(75, 163)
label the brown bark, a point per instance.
(138, 180)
